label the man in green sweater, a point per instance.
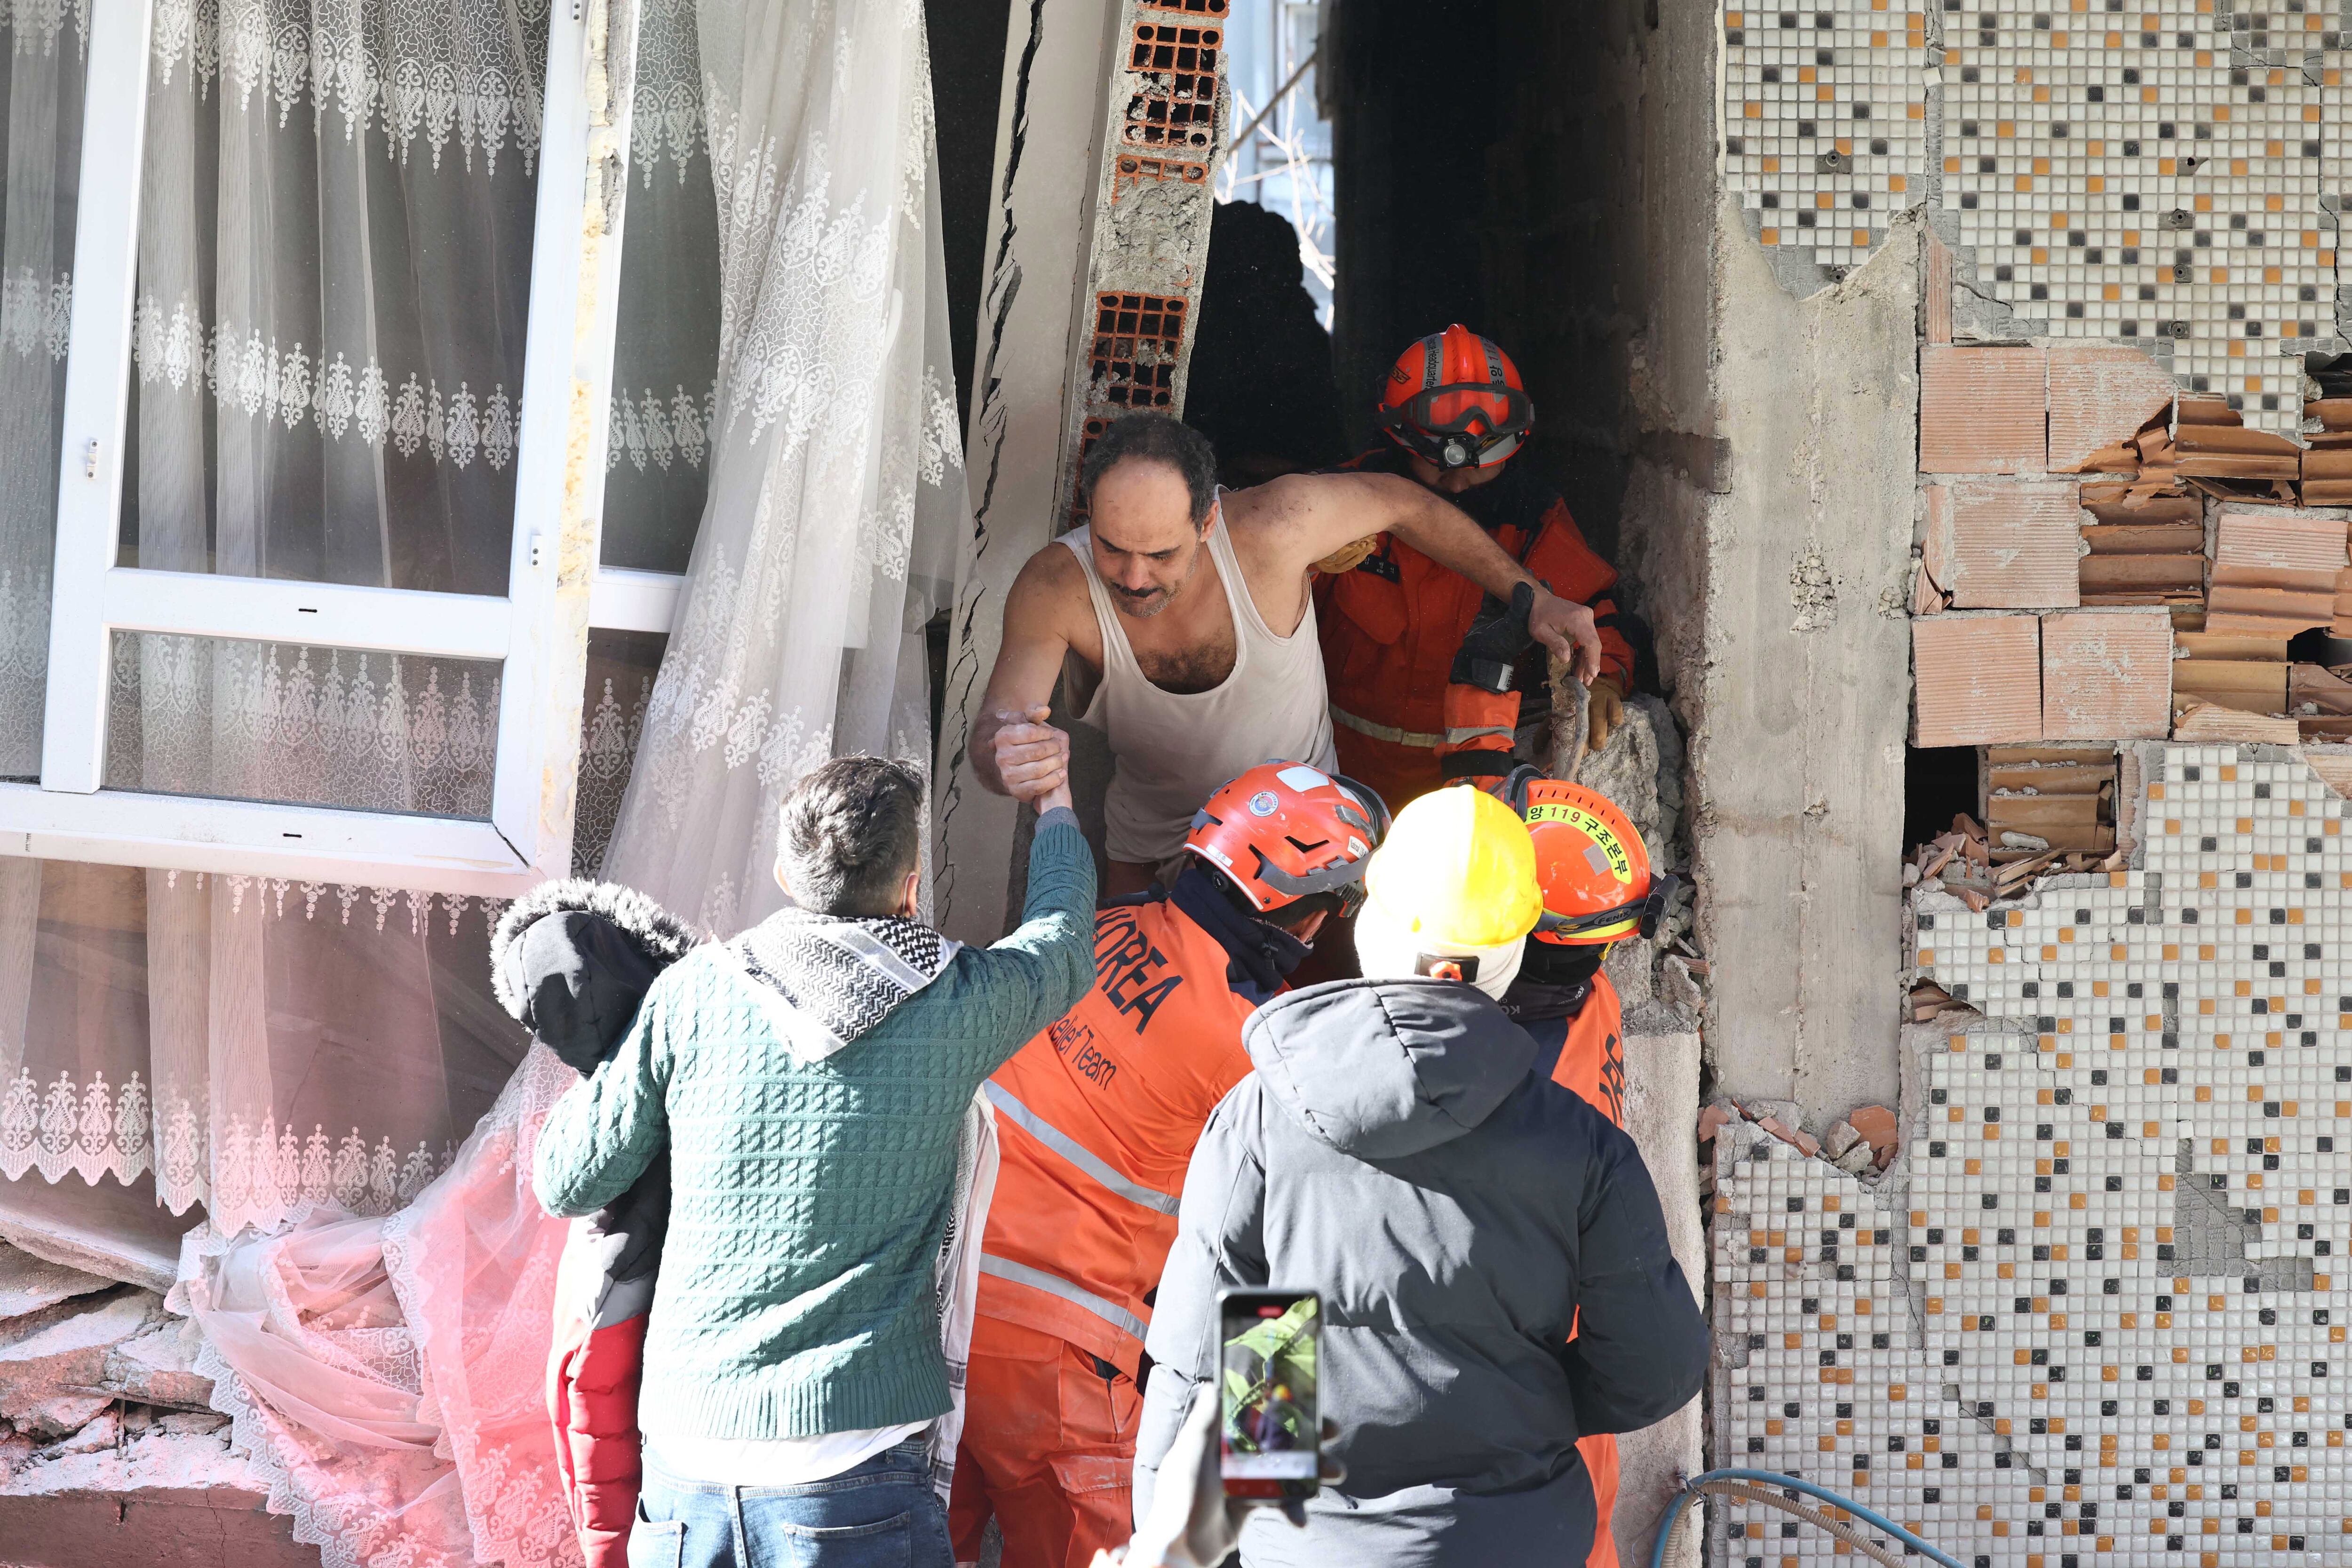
(809, 1081)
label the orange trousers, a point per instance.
(1049, 1449)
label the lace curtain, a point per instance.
(387, 1374)
(335, 233)
(836, 496)
(47, 45)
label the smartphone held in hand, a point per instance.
(1269, 1423)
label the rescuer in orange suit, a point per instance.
(1453, 413)
(1598, 888)
(1098, 1118)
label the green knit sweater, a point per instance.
(808, 1205)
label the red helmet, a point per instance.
(1456, 399)
(1286, 831)
(1590, 863)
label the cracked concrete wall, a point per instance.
(1038, 228)
(1799, 697)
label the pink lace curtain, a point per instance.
(385, 1374)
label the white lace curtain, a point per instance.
(836, 499)
(335, 234)
(47, 44)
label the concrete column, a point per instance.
(1800, 699)
(1040, 220)
(1113, 114)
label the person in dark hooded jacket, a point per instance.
(1459, 1213)
(571, 961)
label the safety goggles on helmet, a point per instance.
(1646, 911)
(1471, 436)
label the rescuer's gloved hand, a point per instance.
(1608, 710)
(1490, 650)
(1348, 557)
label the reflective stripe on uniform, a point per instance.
(1075, 1153)
(1456, 737)
(1055, 1285)
(1388, 732)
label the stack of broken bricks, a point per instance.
(2163, 580)
(1978, 865)
(1864, 1144)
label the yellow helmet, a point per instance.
(1455, 878)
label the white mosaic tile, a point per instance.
(2106, 1323)
(2120, 170)
(1825, 123)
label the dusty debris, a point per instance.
(1877, 1126)
(157, 1459)
(105, 1432)
(28, 1283)
(159, 1368)
(1930, 1000)
(1850, 1144)
(62, 1364)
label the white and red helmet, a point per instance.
(1286, 831)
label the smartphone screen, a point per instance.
(1269, 1434)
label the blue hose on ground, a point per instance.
(1779, 1482)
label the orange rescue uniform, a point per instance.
(1098, 1118)
(1592, 1061)
(1391, 626)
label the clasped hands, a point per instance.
(1032, 758)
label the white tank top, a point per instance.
(1171, 750)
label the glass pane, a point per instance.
(334, 266)
(620, 669)
(302, 725)
(666, 355)
(42, 84)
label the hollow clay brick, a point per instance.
(2015, 546)
(1978, 678)
(2099, 396)
(2106, 674)
(1981, 411)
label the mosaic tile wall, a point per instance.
(2167, 174)
(2106, 1321)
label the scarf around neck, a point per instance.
(830, 981)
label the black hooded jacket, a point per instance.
(1395, 1151)
(570, 961)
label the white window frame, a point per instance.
(536, 632)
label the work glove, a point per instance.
(1608, 710)
(1497, 637)
(1348, 557)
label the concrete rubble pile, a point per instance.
(109, 1443)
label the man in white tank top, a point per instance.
(1183, 616)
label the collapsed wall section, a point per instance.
(2094, 1312)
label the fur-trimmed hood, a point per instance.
(571, 961)
(665, 938)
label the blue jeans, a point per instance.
(881, 1514)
